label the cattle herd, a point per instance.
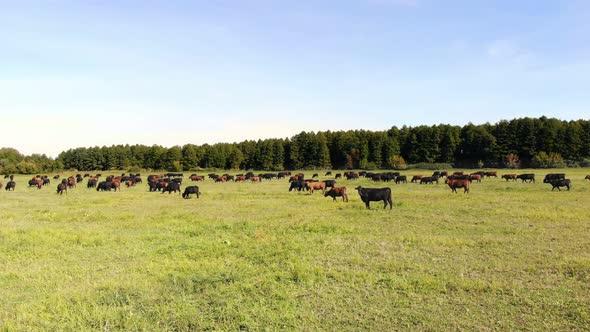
(172, 182)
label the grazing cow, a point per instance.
(561, 183)
(315, 175)
(316, 186)
(337, 192)
(351, 175)
(444, 174)
(46, 181)
(222, 178)
(255, 179)
(104, 186)
(79, 178)
(190, 190)
(526, 177)
(375, 194)
(480, 173)
(436, 173)
(172, 186)
(491, 174)
(197, 178)
(92, 182)
(297, 185)
(415, 178)
(550, 177)
(338, 176)
(329, 183)
(454, 184)
(71, 182)
(587, 177)
(61, 188)
(6, 176)
(475, 177)
(401, 178)
(508, 177)
(458, 177)
(429, 179)
(10, 185)
(36, 182)
(328, 174)
(240, 178)
(116, 183)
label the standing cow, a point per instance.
(375, 194)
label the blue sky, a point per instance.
(85, 73)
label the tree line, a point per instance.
(524, 142)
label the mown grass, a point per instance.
(507, 256)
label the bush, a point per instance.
(512, 161)
(135, 169)
(431, 166)
(584, 163)
(551, 160)
(397, 162)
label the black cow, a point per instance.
(10, 186)
(104, 186)
(190, 190)
(338, 176)
(429, 179)
(328, 174)
(526, 177)
(401, 178)
(6, 176)
(561, 183)
(375, 194)
(315, 175)
(172, 186)
(92, 183)
(330, 183)
(297, 185)
(550, 177)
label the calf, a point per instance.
(190, 190)
(316, 186)
(561, 183)
(454, 184)
(337, 192)
(375, 194)
(475, 177)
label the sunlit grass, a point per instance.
(251, 256)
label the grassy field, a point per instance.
(253, 256)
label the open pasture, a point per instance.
(253, 256)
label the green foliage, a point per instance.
(431, 166)
(551, 160)
(397, 162)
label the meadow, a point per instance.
(253, 256)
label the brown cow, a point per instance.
(255, 178)
(222, 178)
(316, 186)
(454, 184)
(587, 177)
(240, 178)
(197, 178)
(72, 182)
(458, 173)
(491, 174)
(116, 183)
(509, 177)
(475, 177)
(415, 178)
(337, 192)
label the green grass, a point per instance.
(507, 256)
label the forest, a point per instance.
(524, 142)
